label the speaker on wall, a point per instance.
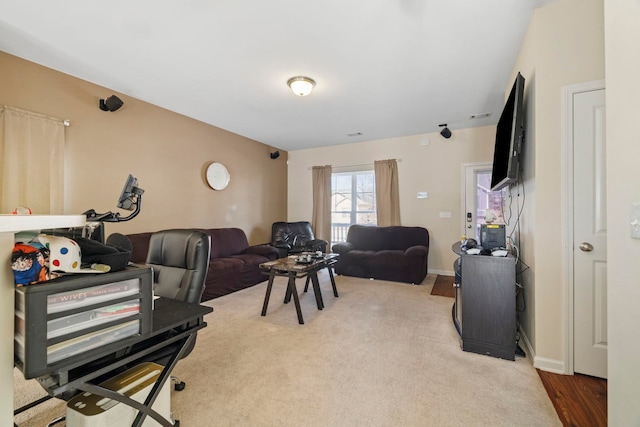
(274, 155)
(111, 103)
(445, 132)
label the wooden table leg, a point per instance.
(287, 294)
(333, 282)
(268, 294)
(316, 289)
(291, 290)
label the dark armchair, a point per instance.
(295, 237)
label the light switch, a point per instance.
(423, 195)
(635, 220)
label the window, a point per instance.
(353, 201)
(488, 202)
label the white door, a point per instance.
(589, 234)
(478, 200)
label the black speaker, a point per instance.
(446, 133)
(112, 103)
(274, 155)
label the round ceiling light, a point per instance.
(300, 85)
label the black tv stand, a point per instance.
(484, 311)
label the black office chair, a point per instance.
(180, 259)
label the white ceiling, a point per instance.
(385, 68)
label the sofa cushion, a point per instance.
(227, 241)
(366, 237)
(231, 274)
(266, 251)
(250, 259)
(226, 264)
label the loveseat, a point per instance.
(294, 238)
(233, 265)
(394, 253)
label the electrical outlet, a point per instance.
(445, 214)
(423, 195)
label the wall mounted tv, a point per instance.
(509, 139)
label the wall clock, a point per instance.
(218, 176)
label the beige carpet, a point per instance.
(382, 354)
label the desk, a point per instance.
(290, 268)
(173, 322)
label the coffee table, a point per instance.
(294, 270)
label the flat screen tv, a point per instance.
(509, 139)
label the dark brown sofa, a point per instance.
(393, 253)
(233, 264)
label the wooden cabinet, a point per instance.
(484, 310)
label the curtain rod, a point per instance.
(354, 166)
(65, 122)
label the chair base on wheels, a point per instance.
(177, 384)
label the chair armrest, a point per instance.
(281, 245)
(319, 244)
(342, 248)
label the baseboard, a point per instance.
(542, 363)
(441, 272)
(549, 365)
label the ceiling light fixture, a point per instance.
(300, 85)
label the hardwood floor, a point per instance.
(580, 400)
(443, 287)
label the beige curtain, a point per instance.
(387, 193)
(321, 217)
(31, 161)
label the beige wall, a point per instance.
(427, 163)
(525, 228)
(564, 45)
(167, 152)
(622, 33)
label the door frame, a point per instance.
(469, 167)
(566, 186)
